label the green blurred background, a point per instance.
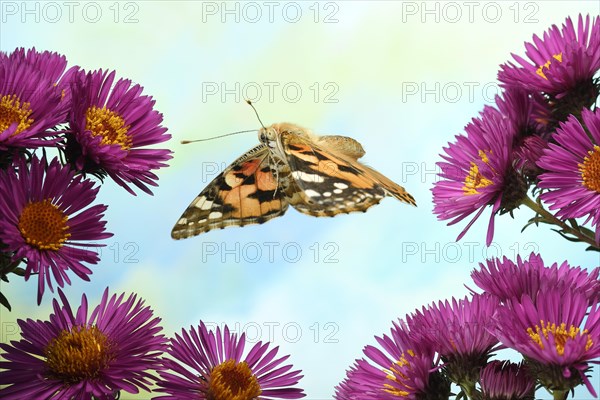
(400, 77)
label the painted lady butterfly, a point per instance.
(317, 175)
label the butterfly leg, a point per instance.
(275, 166)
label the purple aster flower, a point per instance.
(562, 64)
(506, 381)
(209, 365)
(477, 173)
(52, 68)
(459, 332)
(46, 220)
(556, 333)
(573, 165)
(528, 116)
(111, 129)
(73, 356)
(405, 368)
(505, 279)
(32, 98)
(527, 155)
(363, 381)
(50, 64)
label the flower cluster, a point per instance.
(96, 127)
(541, 136)
(556, 327)
(119, 347)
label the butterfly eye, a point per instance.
(262, 137)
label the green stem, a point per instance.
(469, 389)
(551, 219)
(560, 394)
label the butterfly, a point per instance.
(317, 175)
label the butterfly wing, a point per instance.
(244, 193)
(331, 182)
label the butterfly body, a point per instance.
(317, 175)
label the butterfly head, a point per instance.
(270, 135)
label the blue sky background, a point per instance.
(400, 80)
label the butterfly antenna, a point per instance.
(255, 112)
(216, 137)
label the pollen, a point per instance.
(78, 354)
(590, 170)
(540, 70)
(109, 125)
(561, 334)
(44, 225)
(232, 381)
(13, 111)
(395, 372)
(475, 180)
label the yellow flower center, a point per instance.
(78, 354)
(394, 372)
(590, 170)
(232, 381)
(44, 225)
(560, 333)
(109, 125)
(540, 70)
(11, 111)
(475, 180)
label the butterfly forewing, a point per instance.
(332, 182)
(245, 193)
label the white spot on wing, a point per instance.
(303, 176)
(337, 191)
(207, 205)
(340, 185)
(312, 193)
(182, 221)
(215, 215)
(327, 194)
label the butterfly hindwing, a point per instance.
(245, 193)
